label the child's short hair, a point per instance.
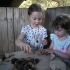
(35, 7)
(62, 21)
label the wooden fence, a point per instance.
(50, 14)
(12, 20)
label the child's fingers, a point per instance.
(46, 51)
(21, 47)
(24, 49)
(40, 52)
(44, 42)
(29, 49)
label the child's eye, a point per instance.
(59, 30)
(39, 19)
(34, 18)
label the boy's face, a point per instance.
(36, 18)
(60, 32)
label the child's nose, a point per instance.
(37, 20)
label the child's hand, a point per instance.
(26, 48)
(44, 42)
(41, 51)
(47, 51)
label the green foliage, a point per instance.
(64, 2)
(46, 3)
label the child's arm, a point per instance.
(18, 41)
(68, 51)
(64, 55)
(61, 54)
(22, 45)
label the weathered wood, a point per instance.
(20, 20)
(1, 49)
(49, 15)
(16, 26)
(23, 17)
(10, 29)
(4, 35)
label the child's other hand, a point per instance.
(26, 48)
(40, 52)
(44, 42)
(48, 50)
